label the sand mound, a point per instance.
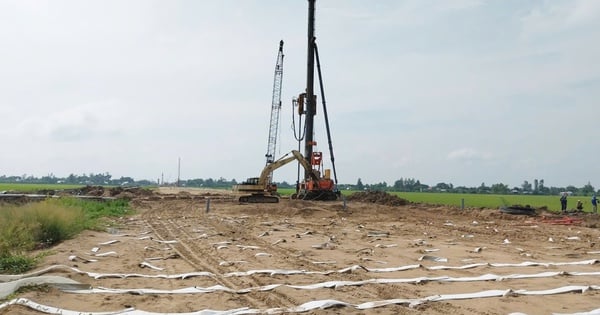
(378, 197)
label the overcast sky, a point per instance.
(458, 91)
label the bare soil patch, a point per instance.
(373, 231)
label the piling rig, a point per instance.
(317, 183)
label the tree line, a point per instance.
(537, 187)
(84, 179)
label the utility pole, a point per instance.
(178, 171)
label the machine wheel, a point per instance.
(319, 195)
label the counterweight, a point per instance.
(275, 106)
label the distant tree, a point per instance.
(283, 184)
(399, 185)
(144, 182)
(535, 185)
(198, 182)
(526, 186)
(420, 187)
(500, 189)
(587, 190)
(543, 189)
(443, 186)
(483, 189)
(379, 186)
(359, 184)
(464, 190)
(126, 180)
(556, 190)
(49, 179)
(71, 179)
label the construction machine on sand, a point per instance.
(261, 189)
(317, 183)
(314, 185)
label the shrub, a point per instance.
(15, 264)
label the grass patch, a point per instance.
(94, 211)
(15, 264)
(39, 225)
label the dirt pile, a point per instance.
(101, 191)
(378, 197)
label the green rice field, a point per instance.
(29, 188)
(447, 199)
(482, 200)
(485, 201)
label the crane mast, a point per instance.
(311, 106)
(275, 106)
(317, 183)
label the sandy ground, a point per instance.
(325, 236)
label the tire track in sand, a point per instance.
(200, 257)
(221, 223)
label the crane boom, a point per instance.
(275, 106)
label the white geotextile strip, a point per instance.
(320, 304)
(328, 284)
(273, 272)
(8, 288)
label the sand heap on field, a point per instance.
(378, 197)
(119, 192)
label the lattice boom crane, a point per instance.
(275, 107)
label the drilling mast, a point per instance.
(311, 106)
(275, 106)
(317, 183)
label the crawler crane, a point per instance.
(275, 106)
(261, 188)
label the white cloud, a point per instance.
(468, 154)
(584, 12)
(76, 123)
(548, 18)
(422, 89)
(457, 5)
